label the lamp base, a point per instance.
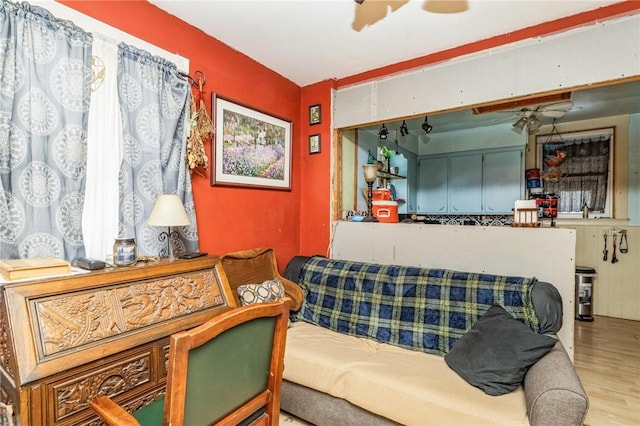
(370, 217)
(168, 237)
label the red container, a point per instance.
(385, 211)
(532, 174)
(381, 195)
(545, 200)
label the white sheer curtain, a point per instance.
(104, 152)
(582, 173)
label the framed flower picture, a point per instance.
(251, 148)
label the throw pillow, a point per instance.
(268, 291)
(495, 354)
(548, 305)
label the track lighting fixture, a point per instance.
(383, 133)
(404, 130)
(426, 126)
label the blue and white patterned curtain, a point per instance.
(154, 104)
(45, 86)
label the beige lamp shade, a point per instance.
(168, 211)
(370, 172)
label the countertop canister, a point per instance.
(125, 252)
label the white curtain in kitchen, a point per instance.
(584, 173)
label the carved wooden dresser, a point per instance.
(68, 339)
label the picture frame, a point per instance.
(314, 144)
(314, 114)
(251, 148)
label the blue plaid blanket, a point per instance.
(416, 308)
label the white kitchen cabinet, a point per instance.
(433, 185)
(406, 188)
(465, 184)
(502, 180)
(478, 182)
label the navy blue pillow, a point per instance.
(495, 354)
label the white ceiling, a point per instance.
(308, 41)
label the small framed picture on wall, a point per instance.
(314, 114)
(314, 144)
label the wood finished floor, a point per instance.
(607, 358)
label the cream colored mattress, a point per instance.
(409, 387)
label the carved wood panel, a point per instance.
(69, 321)
(165, 359)
(71, 396)
(5, 350)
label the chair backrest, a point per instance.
(249, 267)
(254, 267)
(228, 370)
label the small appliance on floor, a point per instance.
(584, 293)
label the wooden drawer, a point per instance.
(121, 377)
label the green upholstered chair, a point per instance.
(227, 371)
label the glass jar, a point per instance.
(125, 252)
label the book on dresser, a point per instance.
(35, 267)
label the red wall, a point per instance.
(228, 218)
(315, 214)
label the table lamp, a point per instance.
(168, 211)
(370, 176)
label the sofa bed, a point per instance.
(388, 344)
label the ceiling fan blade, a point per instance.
(446, 6)
(552, 113)
(516, 112)
(556, 106)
